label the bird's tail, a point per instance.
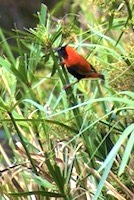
(97, 75)
(101, 76)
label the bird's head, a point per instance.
(62, 51)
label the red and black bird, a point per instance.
(76, 64)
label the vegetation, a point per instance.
(75, 143)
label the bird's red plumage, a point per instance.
(77, 65)
(75, 58)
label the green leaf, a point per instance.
(55, 172)
(110, 159)
(43, 14)
(107, 99)
(3, 106)
(5, 62)
(127, 153)
(103, 179)
(43, 182)
(11, 68)
(72, 129)
(116, 147)
(6, 47)
(41, 108)
(42, 193)
(55, 59)
(128, 93)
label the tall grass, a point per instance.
(75, 143)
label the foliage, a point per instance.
(75, 143)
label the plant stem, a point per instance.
(22, 142)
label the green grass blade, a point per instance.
(116, 147)
(127, 153)
(40, 193)
(103, 178)
(43, 182)
(110, 159)
(43, 14)
(6, 47)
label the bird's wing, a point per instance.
(85, 71)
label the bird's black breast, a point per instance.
(73, 70)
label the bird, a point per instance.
(76, 64)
